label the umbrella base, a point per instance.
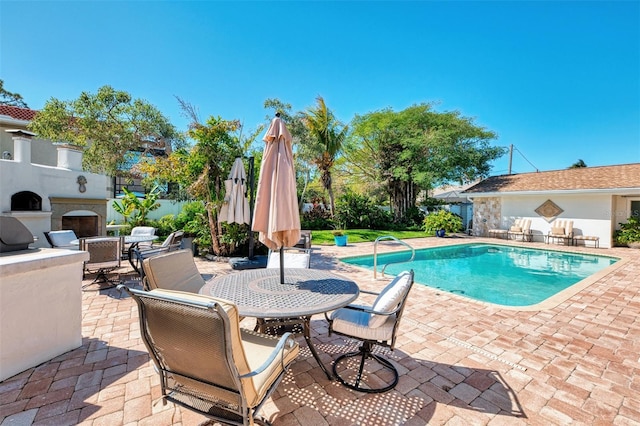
(241, 263)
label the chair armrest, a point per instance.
(286, 339)
(369, 292)
(368, 310)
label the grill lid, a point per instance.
(14, 235)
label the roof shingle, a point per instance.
(604, 177)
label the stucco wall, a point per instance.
(47, 182)
(40, 306)
(591, 213)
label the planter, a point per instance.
(341, 240)
(634, 245)
(440, 233)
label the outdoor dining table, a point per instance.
(258, 293)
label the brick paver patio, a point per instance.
(462, 362)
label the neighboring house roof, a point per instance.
(624, 176)
(452, 193)
(17, 113)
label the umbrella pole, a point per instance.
(251, 195)
(282, 265)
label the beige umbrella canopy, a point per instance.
(236, 206)
(276, 215)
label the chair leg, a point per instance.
(357, 383)
(101, 282)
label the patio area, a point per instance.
(461, 362)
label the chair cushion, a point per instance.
(257, 349)
(557, 231)
(356, 323)
(389, 298)
(175, 270)
(516, 229)
(143, 230)
(63, 238)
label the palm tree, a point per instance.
(329, 133)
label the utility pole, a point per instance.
(510, 158)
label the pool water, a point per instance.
(504, 275)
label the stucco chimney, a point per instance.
(70, 157)
(21, 145)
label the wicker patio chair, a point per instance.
(104, 256)
(206, 362)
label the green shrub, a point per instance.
(443, 219)
(629, 232)
(359, 211)
(316, 219)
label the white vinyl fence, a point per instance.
(166, 207)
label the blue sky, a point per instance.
(558, 80)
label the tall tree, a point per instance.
(329, 134)
(11, 99)
(110, 125)
(203, 169)
(418, 149)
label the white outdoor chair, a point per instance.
(62, 239)
(374, 325)
(293, 258)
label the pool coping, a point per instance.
(548, 303)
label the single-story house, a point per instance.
(596, 199)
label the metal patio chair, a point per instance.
(206, 362)
(374, 325)
(104, 257)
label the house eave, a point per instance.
(6, 120)
(612, 191)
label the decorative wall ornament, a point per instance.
(82, 181)
(549, 210)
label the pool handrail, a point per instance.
(375, 254)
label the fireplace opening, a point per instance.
(82, 223)
(26, 201)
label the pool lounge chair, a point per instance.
(521, 228)
(561, 230)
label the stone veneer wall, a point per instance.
(486, 215)
(61, 206)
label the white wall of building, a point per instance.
(21, 174)
(591, 213)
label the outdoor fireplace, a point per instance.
(46, 198)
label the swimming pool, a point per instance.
(504, 275)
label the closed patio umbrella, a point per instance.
(276, 215)
(236, 206)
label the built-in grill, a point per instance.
(14, 236)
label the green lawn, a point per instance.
(363, 235)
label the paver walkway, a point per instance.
(461, 362)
